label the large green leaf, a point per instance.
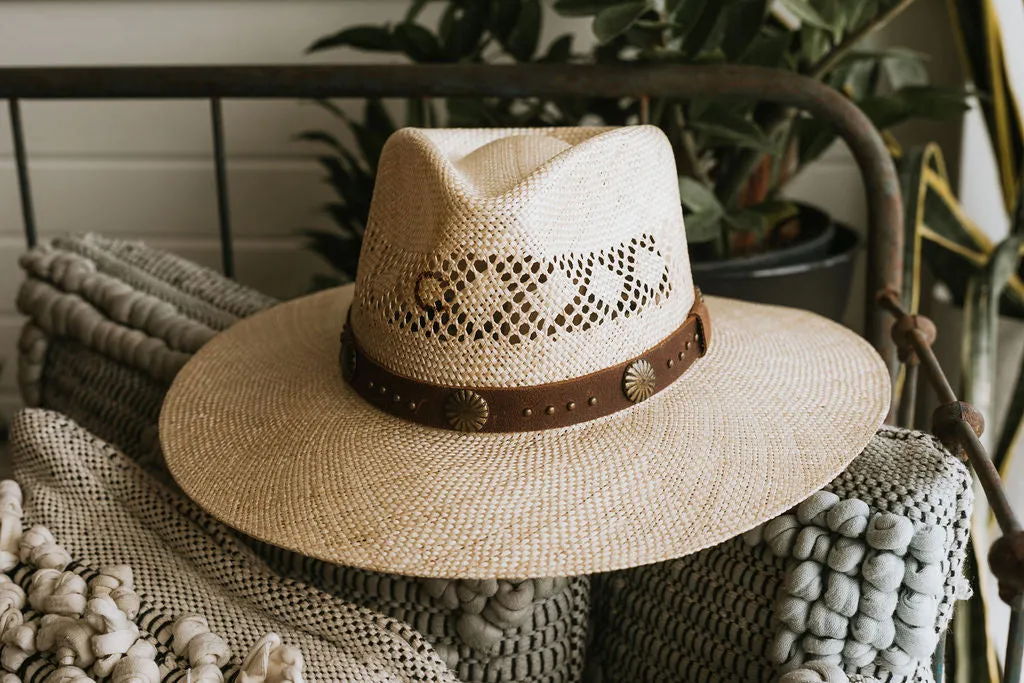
(705, 212)
(742, 23)
(522, 40)
(815, 43)
(904, 67)
(805, 12)
(981, 310)
(503, 18)
(747, 221)
(375, 38)
(417, 42)
(769, 48)
(461, 29)
(698, 197)
(929, 102)
(616, 20)
(559, 51)
(321, 137)
(736, 131)
(857, 75)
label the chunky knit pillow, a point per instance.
(860, 578)
(110, 324)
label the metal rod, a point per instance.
(988, 476)
(1014, 647)
(28, 218)
(227, 248)
(885, 239)
(983, 466)
(909, 399)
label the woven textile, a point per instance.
(105, 510)
(862, 576)
(104, 375)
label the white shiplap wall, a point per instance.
(144, 170)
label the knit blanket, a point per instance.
(104, 511)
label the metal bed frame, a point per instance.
(894, 332)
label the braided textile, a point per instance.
(860, 578)
(110, 324)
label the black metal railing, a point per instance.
(885, 235)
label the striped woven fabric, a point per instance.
(104, 510)
(112, 321)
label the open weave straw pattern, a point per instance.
(104, 510)
(482, 266)
(862, 576)
(115, 395)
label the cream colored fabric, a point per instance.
(511, 258)
(104, 510)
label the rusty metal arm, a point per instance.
(959, 425)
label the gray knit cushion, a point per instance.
(861, 577)
(110, 324)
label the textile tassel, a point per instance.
(10, 523)
(204, 650)
(69, 674)
(38, 548)
(272, 662)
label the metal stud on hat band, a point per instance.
(522, 409)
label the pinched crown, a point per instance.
(500, 258)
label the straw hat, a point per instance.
(527, 385)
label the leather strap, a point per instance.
(523, 409)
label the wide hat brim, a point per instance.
(260, 429)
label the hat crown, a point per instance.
(504, 258)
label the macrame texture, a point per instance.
(860, 578)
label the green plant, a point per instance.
(734, 158)
(985, 278)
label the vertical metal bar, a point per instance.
(909, 399)
(227, 247)
(1014, 646)
(28, 218)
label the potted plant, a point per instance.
(734, 158)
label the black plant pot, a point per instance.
(814, 274)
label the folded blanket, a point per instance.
(105, 510)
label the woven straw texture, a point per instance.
(862, 576)
(483, 632)
(720, 451)
(550, 254)
(510, 258)
(105, 510)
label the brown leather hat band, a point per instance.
(524, 409)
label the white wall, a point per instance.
(144, 170)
